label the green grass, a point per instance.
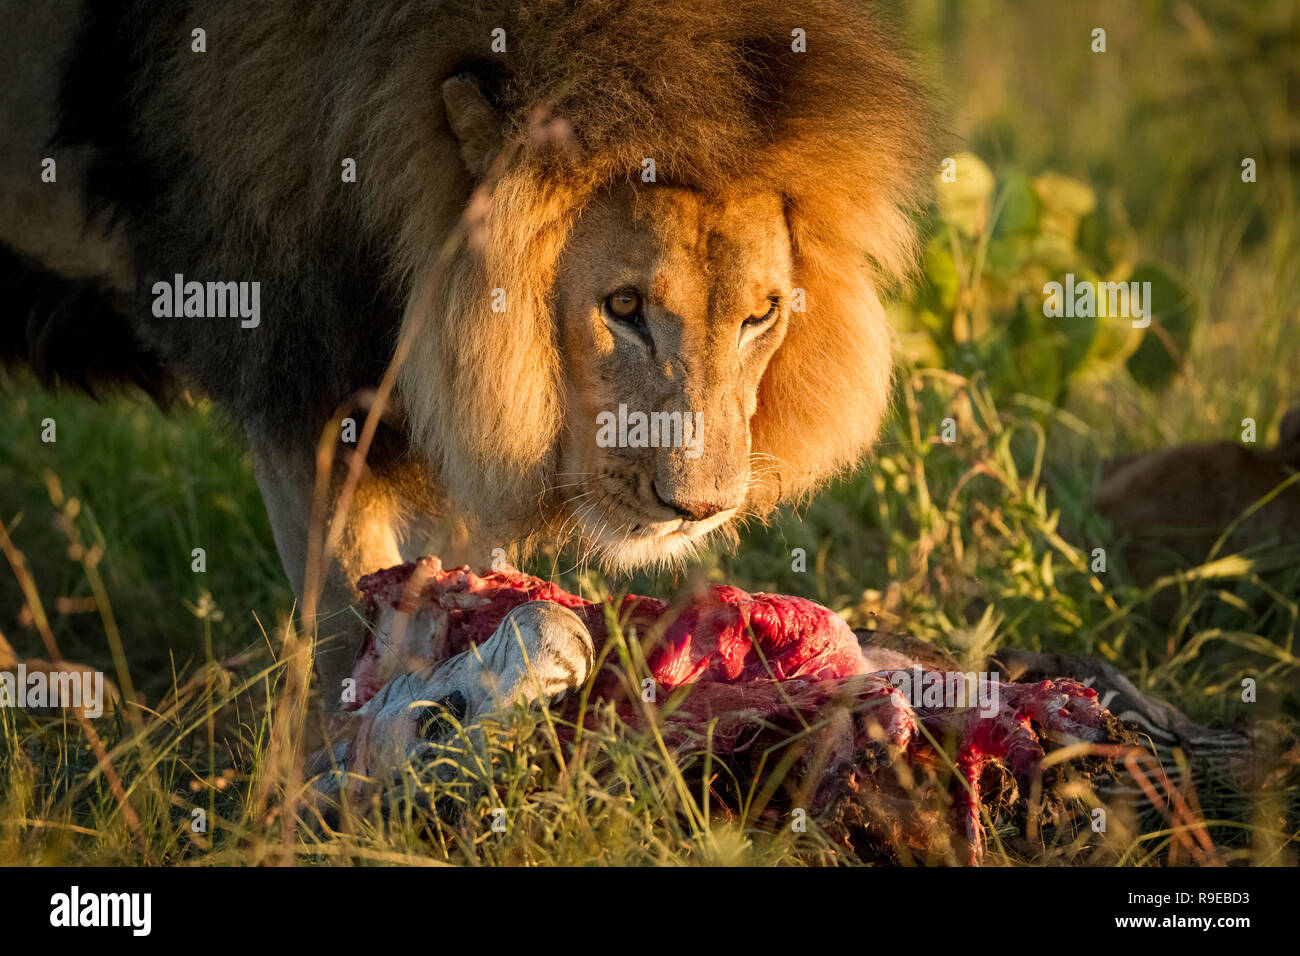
(973, 546)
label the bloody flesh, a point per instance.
(747, 662)
(725, 635)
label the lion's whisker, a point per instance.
(574, 484)
(564, 534)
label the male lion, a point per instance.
(677, 209)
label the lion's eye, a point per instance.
(755, 320)
(624, 305)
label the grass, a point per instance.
(973, 546)
(970, 534)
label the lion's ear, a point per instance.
(473, 122)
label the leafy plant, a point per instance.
(987, 303)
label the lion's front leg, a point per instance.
(369, 540)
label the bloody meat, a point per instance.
(746, 663)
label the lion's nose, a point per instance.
(690, 510)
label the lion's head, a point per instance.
(636, 360)
(669, 305)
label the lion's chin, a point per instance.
(658, 546)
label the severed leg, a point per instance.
(540, 651)
(1167, 726)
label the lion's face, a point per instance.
(670, 305)
(608, 364)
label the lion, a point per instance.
(1177, 507)
(551, 222)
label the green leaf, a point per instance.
(1080, 332)
(1065, 202)
(1033, 365)
(1106, 237)
(964, 201)
(1169, 302)
(940, 292)
(1020, 207)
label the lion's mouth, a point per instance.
(683, 526)
(645, 527)
(626, 531)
